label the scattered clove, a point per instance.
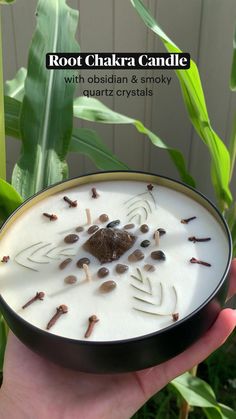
(95, 194)
(187, 220)
(175, 317)
(70, 202)
(150, 187)
(200, 262)
(39, 296)
(52, 217)
(62, 309)
(195, 239)
(5, 259)
(92, 320)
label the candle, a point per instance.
(135, 255)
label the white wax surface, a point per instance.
(118, 318)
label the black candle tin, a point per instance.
(129, 354)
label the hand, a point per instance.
(36, 388)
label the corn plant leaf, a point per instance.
(195, 391)
(88, 142)
(93, 110)
(9, 200)
(233, 67)
(227, 412)
(47, 108)
(84, 141)
(3, 340)
(12, 117)
(194, 100)
(15, 88)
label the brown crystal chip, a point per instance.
(83, 261)
(121, 269)
(129, 226)
(64, 263)
(70, 279)
(102, 272)
(136, 256)
(79, 229)
(109, 244)
(107, 286)
(103, 218)
(144, 228)
(149, 268)
(158, 255)
(93, 229)
(71, 238)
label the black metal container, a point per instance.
(129, 354)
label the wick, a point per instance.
(95, 194)
(200, 262)
(92, 320)
(87, 272)
(195, 239)
(52, 217)
(186, 220)
(150, 187)
(5, 259)
(157, 238)
(62, 309)
(88, 215)
(70, 202)
(38, 296)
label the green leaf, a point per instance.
(194, 100)
(232, 146)
(233, 67)
(9, 200)
(93, 110)
(88, 142)
(6, 1)
(3, 340)
(195, 391)
(15, 88)
(227, 412)
(12, 117)
(84, 141)
(47, 109)
(212, 413)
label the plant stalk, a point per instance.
(2, 124)
(185, 407)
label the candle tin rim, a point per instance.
(122, 175)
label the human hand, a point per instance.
(35, 388)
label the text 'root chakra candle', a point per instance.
(114, 271)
